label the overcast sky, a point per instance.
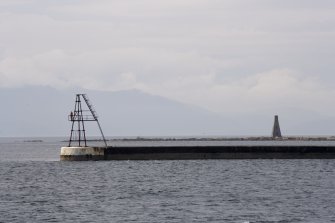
(232, 56)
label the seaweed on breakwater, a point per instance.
(255, 138)
(252, 138)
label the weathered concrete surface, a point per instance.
(198, 152)
(82, 153)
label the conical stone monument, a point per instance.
(276, 133)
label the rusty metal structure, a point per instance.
(78, 117)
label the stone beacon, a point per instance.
(276, 133)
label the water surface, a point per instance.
(36, 187)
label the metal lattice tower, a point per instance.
(78, 117)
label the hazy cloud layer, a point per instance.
(224, 55)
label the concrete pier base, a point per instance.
(82, 153)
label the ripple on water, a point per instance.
(168, 191)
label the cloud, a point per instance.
(227, 56)
(269, 91)
(107, 70)
(186, 77)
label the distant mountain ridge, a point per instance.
(42, 111)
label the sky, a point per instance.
(226, 56)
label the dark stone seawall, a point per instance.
(210, 152)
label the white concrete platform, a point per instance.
(82, 151)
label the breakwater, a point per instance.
(199, 151)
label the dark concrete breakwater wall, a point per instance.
(196, 152)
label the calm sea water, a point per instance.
(36, 187)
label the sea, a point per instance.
(36, 187)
